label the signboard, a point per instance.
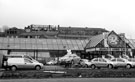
(113, 40)
(108, 49)
(88, 50)
(103, 49)
(43, 27)
(115, 49)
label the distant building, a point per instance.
(50, 31)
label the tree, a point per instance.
(4, 28)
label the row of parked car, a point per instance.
(27, 62)
(110, 63)
(105, 63)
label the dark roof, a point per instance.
(94, 41)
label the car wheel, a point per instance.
(128, 66)
(110, 66)
(93, 66)
(13, 68)
(38, 67)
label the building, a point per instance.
(45, 41)
(109, 43)
(52, 32)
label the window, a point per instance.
(102, 60)
(27, 61)
(113, 60)
(132, 60)
(28, 57)
(120, 60)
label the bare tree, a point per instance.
(4, 28)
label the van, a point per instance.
(22, 63)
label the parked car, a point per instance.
(132, 61)
(22, 63)
(52, 62)
(69, 58)
(85, 63)
(100, 63)
(122, 62)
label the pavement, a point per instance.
(71, 80)
(53, 68)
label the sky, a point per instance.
(117, 15)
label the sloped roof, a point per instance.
(132, 43)
(41, 44)
(94, 41)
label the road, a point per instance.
(71, 80)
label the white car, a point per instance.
(22, 63)
(69, 58)
(132, 61)
(85, 63)
(101, 63)
(52, 62)
(122, 62)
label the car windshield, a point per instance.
(25, 56)
(120, 60)
(95, 59)
(28, 61)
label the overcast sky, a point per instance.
(117, 15)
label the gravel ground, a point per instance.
(72, 80)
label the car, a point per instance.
(22, 63)
(132, 61)
(52, 62)
(85, 63)
(101, 63)
(122, 62)
(69, 58)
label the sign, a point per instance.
(103, 49)
(88, 50)
(115, 49)
(43, 27)
(113, 40)
(112, 49)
